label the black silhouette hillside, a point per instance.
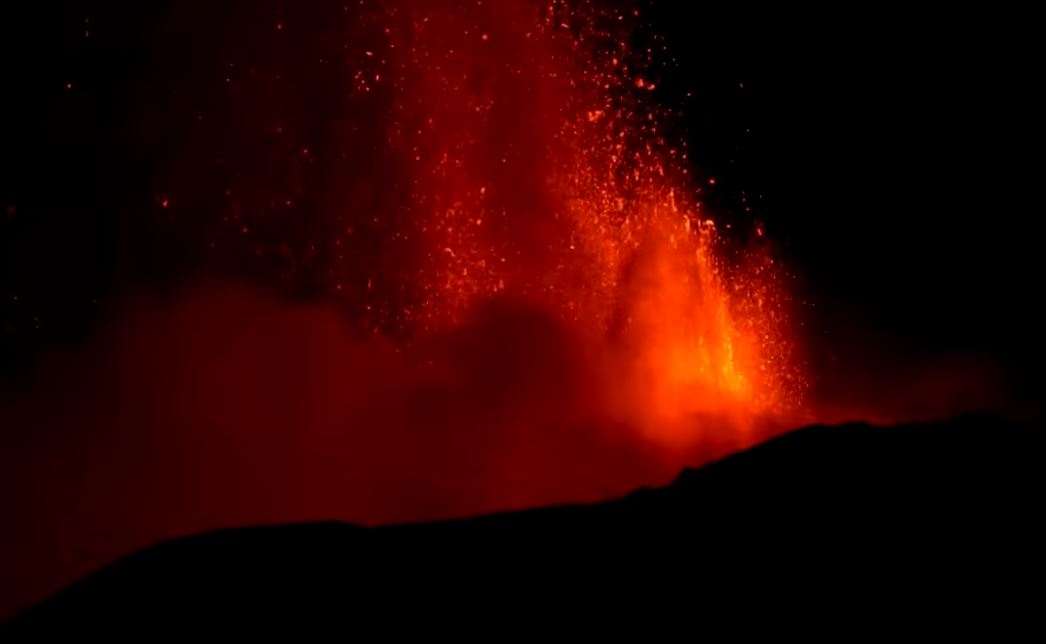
(923, 512)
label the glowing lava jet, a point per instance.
(537, 167)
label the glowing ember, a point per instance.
(536, 169)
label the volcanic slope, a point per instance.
(950, 507)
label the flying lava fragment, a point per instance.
(532, 162)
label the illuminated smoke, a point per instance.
(543, 170)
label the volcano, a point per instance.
(337, 302)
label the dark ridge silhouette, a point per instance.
(933, 512)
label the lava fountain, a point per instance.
(539, 310)
(537, 166)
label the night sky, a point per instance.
(893, 152)
(185, 184)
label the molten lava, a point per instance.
(537, 167)
(539, 311)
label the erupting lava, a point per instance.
(535, 166)
(538, 310)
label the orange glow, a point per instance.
(540, 170)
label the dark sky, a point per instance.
(894, 153)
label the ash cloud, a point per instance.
(225, 406)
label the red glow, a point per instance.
(541, 173)
(529, 307)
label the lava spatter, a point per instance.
(537, 166)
